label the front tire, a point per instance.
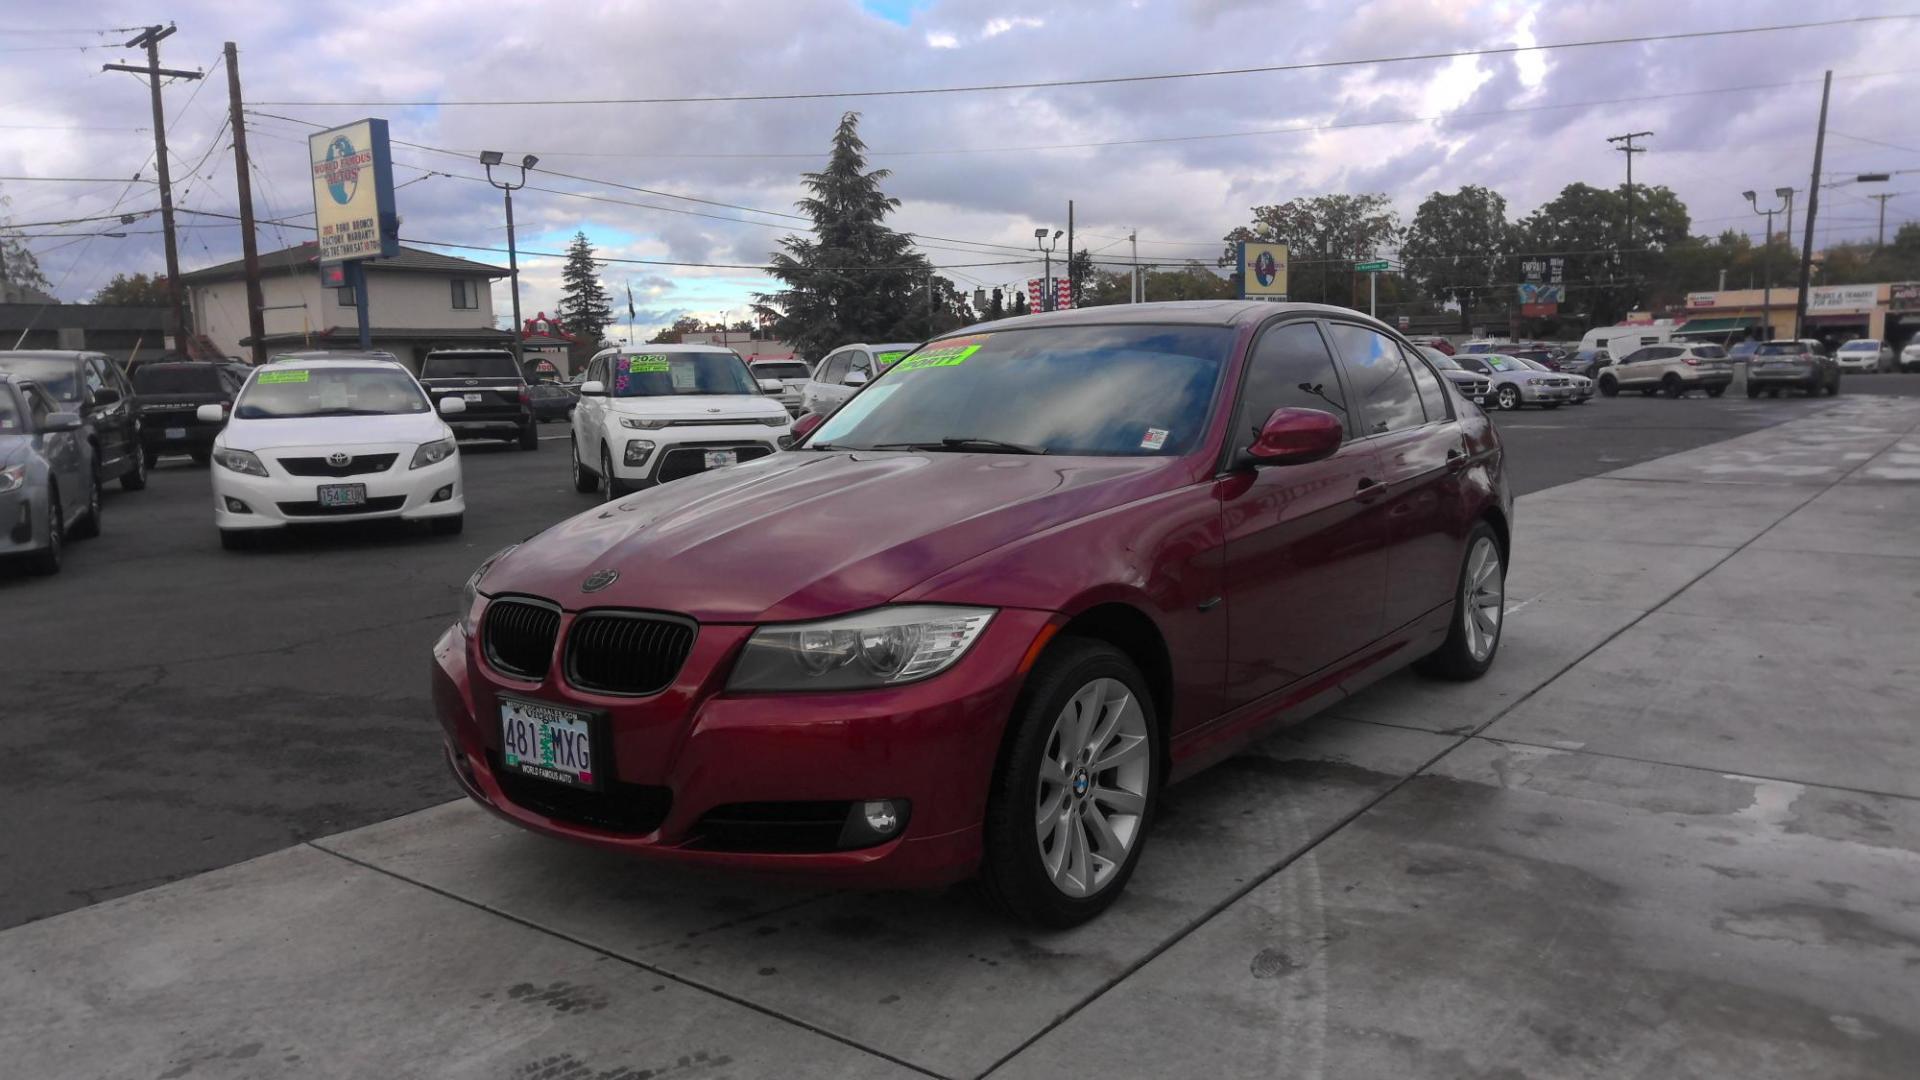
(1672, 387)
(449, 525)
(1507, 398)
(613, 488)
(89, 527)
(1070, 805)
(1752, 391)
(238, 539)
(1716, 391)
(135, 479)
(47, 560)
(1479, 616)
(1609, 387)
(583, 479)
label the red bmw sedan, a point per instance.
(978, 619)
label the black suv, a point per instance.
(90, 384)
(169, 395)
(499, 403)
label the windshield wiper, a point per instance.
(965, 442)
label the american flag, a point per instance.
(1063, 294)
(1034, 295)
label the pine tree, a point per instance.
(855, 279)
(584, 308)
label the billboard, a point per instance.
(1840, 299)
(1263, 271)
(1904, 296)
(353, 192)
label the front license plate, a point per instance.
(176, 433)
(717, 458)
(342, 495)
(548, 742)
(474, 397)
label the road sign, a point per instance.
(1374, 266)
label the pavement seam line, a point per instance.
(601, 950)
(1689, 768)
(1461, 740)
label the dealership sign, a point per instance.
(1904, 296)
(1263, 271)
(1702, 299)
(1832, 299)
(353, 192)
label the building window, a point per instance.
(345, 293)
(466, 294)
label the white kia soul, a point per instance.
(653, 413)
(348, 439)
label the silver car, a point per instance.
(784, 379)
(1472, 385)
(847, 369)
(47, 488)
(1515, 384)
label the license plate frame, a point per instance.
(474, 397)
(176, 433)
(720, 459)
(588, 726)
(340, 496)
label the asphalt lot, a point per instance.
(174, 708)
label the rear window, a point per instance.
(1778, 348)
(781, 371)
(178, 379)
(470, 366)
(1861, 345)
(1710, 352)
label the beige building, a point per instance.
(420, 300)
(1886, 311)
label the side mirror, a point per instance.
(106, 395)
(1296, 437)
(804, 426)
(449, 405)
(856, 377)
(211, 414)
(62, 421)
(592, 388)
(771, 386)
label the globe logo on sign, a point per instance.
(1264, 268)
(343, 180)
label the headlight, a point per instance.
(433, 453)
(777, 421)
(883, 647)
(470, 593)
(240, 461)
(643, 423)
(12, 478)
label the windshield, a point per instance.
(670, 374)
(10, 422)
(288, 393)
(177, 379)
(55, 376)
(1439, 359)
(1501, 363)
(781, 371)
(1861, 345)
(480, 365)
(1529, 361)
(1093, 390)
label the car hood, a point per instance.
(808, 534)
(333, 431)
(718, 406)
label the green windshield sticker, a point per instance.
(647, 362)
(946, 354)
(282, 377)
(887, 358)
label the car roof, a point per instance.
(74, 355)
(688, 347)
(307, 355)
(338, 361)
(878, 345)
(1178, 312)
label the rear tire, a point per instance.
(202, 457)
(1609, 387)
(1752, 391)
(530, 437)
(1479, 618)
(135, 479)
(1672, 387)
(1716, 391)
(584, 481)
(449, 525)
(1085, 703)
(152, 456)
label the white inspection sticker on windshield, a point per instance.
(853, 412)
(1154, 439)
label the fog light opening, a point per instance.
(443, 494)
(874, 821)
(637, 451)
(235, 506)
(785, 441)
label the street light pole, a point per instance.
(1046, 246)
(490, 158)
(1766, 259)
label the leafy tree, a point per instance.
(855, 279)
(584, 307)
(1458, 248)
(676, 333)
(1019, 304)
(1325, 236)
(996, 305)
(1611, 269)
(19, 270)
(138, 291)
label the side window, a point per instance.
(1290, 369)
(1383, 388)
(90, 371)
(858, 360)
(1473, 364)
(119, 377)
(465, 294)
(1433, 399)
(38, 406)
(1636, 356)
(833, 370)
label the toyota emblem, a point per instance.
(339, 460)
(599, 579)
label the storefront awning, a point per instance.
(1716, 327)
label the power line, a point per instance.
(1317, 65)
(78, 179)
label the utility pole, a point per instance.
(1133, 272)
(1882, 199)
(1626, 245)
(1787, 194)
(150, 38)
(1813, 208)
(243, 186)
(1073, 292)
(1766, 260)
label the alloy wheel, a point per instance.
(1509, 397)
(1092, 793)
(1483, 595)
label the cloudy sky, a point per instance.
(1183, 160)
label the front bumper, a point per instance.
(696, 748)
(280, 500)
(681, 451)
(1534, 394)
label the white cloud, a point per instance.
(942, 40)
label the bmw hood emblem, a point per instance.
(599, 579)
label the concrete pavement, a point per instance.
(1675, 832)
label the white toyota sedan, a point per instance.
(348, 439)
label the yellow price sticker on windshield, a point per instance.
(647, 362)
(945, 354)
(282, 377)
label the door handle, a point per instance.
(1456, 459)
(1370, 489)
